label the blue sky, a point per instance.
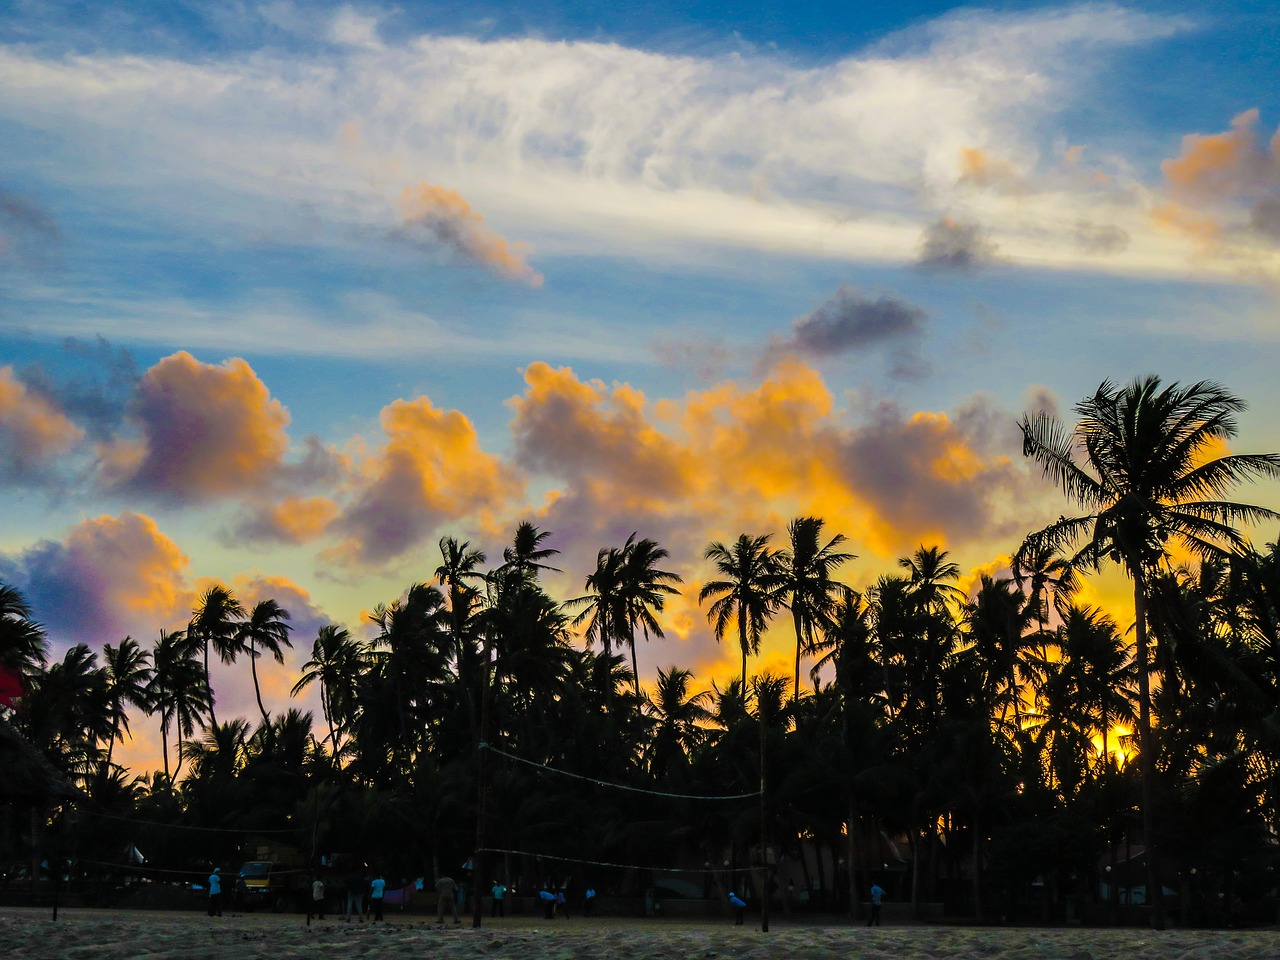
(289, 291)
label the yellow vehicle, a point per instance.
(276, 880)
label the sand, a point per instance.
(77, 934)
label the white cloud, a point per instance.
(587, 147)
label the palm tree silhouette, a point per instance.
(645, 589)
(337, 662)
(214, 625)
(178, 691)
(127, 678)
(748, 595)
(266, 629)
(810, 591)
(1140, 461)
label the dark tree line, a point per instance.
(1002, 749)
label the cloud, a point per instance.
(448, 219)
(432, 469)
(294, 520)
(1216, 175)
(549, 139)
(95, 396)
(33, 431)
(734, 457)
(1099, 238)
(979, 169)
(206, 432)
(851, 321)
(950, 244)
(27, 231)
(110, 576)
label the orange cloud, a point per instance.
(1216, 175)
(432, 469)
(979, 168)
(206, 432)
(109, 577)
(733, 458)
(33, 432)
(449, 220)
(294, 520)
(1222, 164)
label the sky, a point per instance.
(289, 291)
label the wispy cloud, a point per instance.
(444, 216)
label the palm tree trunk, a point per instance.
(1146, 756)
(257, 691)
(799, 627)
(208, 682)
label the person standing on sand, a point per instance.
(497, 909)
(355, 895)
(739, 908)
(317, 898)
(588, 900)
(877, 898)
(376, 891)
(446, 892)
(215, 893)
(548, 901)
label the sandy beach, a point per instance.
(115, 935)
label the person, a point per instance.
(376, 891)
(355, 894)
(877, 898)
(548, 902)
(739, 908)
(446, 892)
(215, 892)
(562, 904)
(499, 891)
(317, 898)
(588, 901)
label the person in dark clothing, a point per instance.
(215, 893)
(877, 898)
(739, 908)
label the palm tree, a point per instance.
(748, 595)
(645, 589)
(337, 662)
(1140, 461)
(265, 629)
(22, 644)
(178, 691)
(812, 594)
(214, 624)
(526, 553)
(604, 608)
(127, 678)
(679, 721)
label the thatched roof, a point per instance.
(27, 775)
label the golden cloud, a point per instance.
(33, 432)
(431, 470)
(206, 432)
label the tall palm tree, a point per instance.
(337, 662)
(178, 691)
(1140, 462)
(811, 593)
(749, 593)
(266, 629)
(604, 609)
(215, 625)
(128, 674)
(645, 589)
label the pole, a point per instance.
(477, 862)
(764, 823)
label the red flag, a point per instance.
(11, 685)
